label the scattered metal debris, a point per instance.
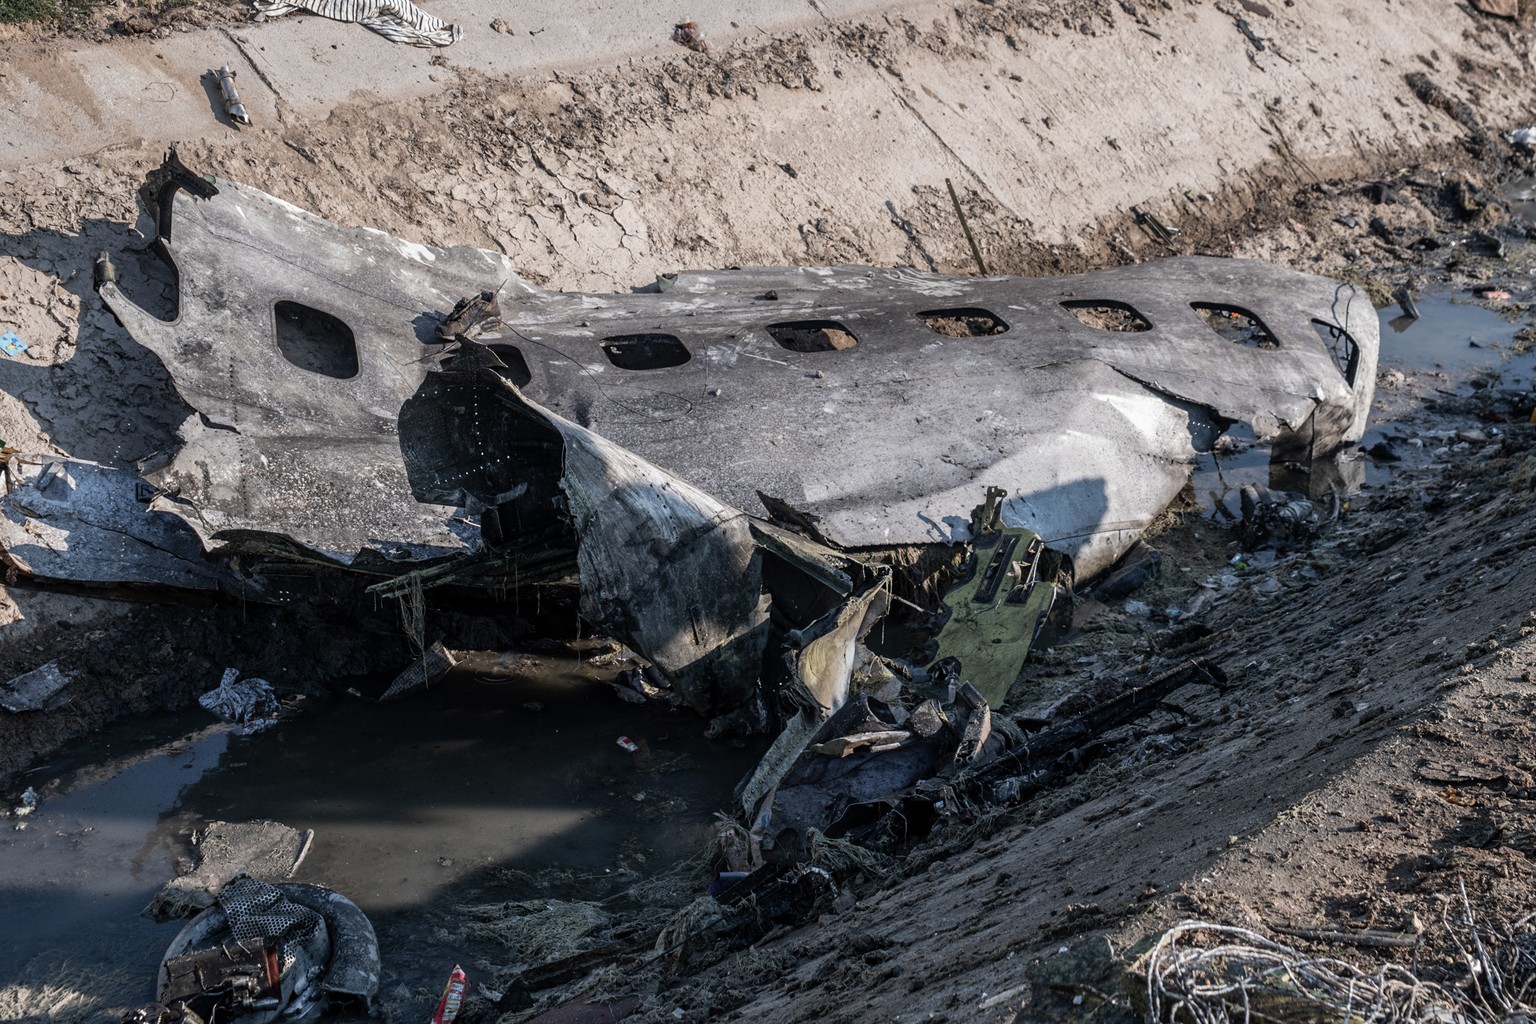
(1157, 229)
(688, 34)
(1249, 34)
(1141, 563)
(1281, 518)
(261, 952)
(42, 689)
(1063, 748)
(1217, 972)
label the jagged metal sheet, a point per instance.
(81, 522)
(888, 442)
(42, 689)
(275, 448)
(668, 568)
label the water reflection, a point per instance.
(1452, 332)
(509, 764)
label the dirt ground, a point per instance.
(105, 20)
(1375, 748)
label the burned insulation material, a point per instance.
(884, 442)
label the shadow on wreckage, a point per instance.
(963, 447)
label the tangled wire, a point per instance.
(1205, 982)
(1213, 974)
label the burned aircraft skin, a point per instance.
(667, 568)
(883, 437)
(344, 416)
(890, 440)
(295, 429)
(64, 519)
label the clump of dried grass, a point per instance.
(536, 930)
(68, 994)
(844, 859)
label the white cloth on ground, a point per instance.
(397, 20)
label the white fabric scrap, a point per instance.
(252, 702)
(399, 21)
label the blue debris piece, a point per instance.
(12, 345)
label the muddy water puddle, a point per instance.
(500, 772)
(1454, 332)
(1520, 195)
(88, 859)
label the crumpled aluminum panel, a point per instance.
(67, 519)
(669, 569)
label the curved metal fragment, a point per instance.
(277, 445)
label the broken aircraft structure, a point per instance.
(719, 465)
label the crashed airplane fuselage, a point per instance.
(648, 434)
(841, 394)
